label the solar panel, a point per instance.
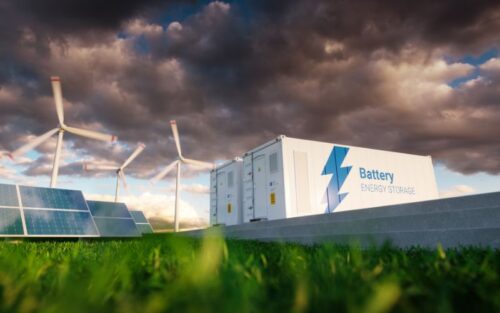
(60, 223)
(108, 209)
(11, 222)
(116, 227)
(144, 228)
(113, 219)
(56, 212)
(37, 211)
(8, 195)
(138, 216)
(38, 197)
(141, 222)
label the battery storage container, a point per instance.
(226, 193)
(289, 177)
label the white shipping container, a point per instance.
(290, 177)
(226, 193)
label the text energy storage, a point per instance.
(290, 177)
(225, 193)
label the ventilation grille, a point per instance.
(273, 162)
(230, 179)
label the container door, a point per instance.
(221, 197)
(260, 186)
(302, 194)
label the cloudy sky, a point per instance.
(418, 77)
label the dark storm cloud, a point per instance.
(33, 24)
(391, 24)
(237, 74)
(74, 16)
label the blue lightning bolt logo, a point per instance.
(339, 174)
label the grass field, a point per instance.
(165, 273)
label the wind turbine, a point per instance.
(120, 171)
(56, 89)
(177, 163)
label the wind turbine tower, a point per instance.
(120, 171)
(56, 89)
(177, 163)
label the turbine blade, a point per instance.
(57, 156)
(34, 143)
(121, 174)
(165, 171)
(56, 89)
(134, 155)
(89, 134)
(98, 167)
(201, 164)
(175, 132)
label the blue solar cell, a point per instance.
(52, 222)
(38, 197)
(8, 195)
(116, 227)
(11, 222)
(138, 216)
(144, 228)
(108, 209)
